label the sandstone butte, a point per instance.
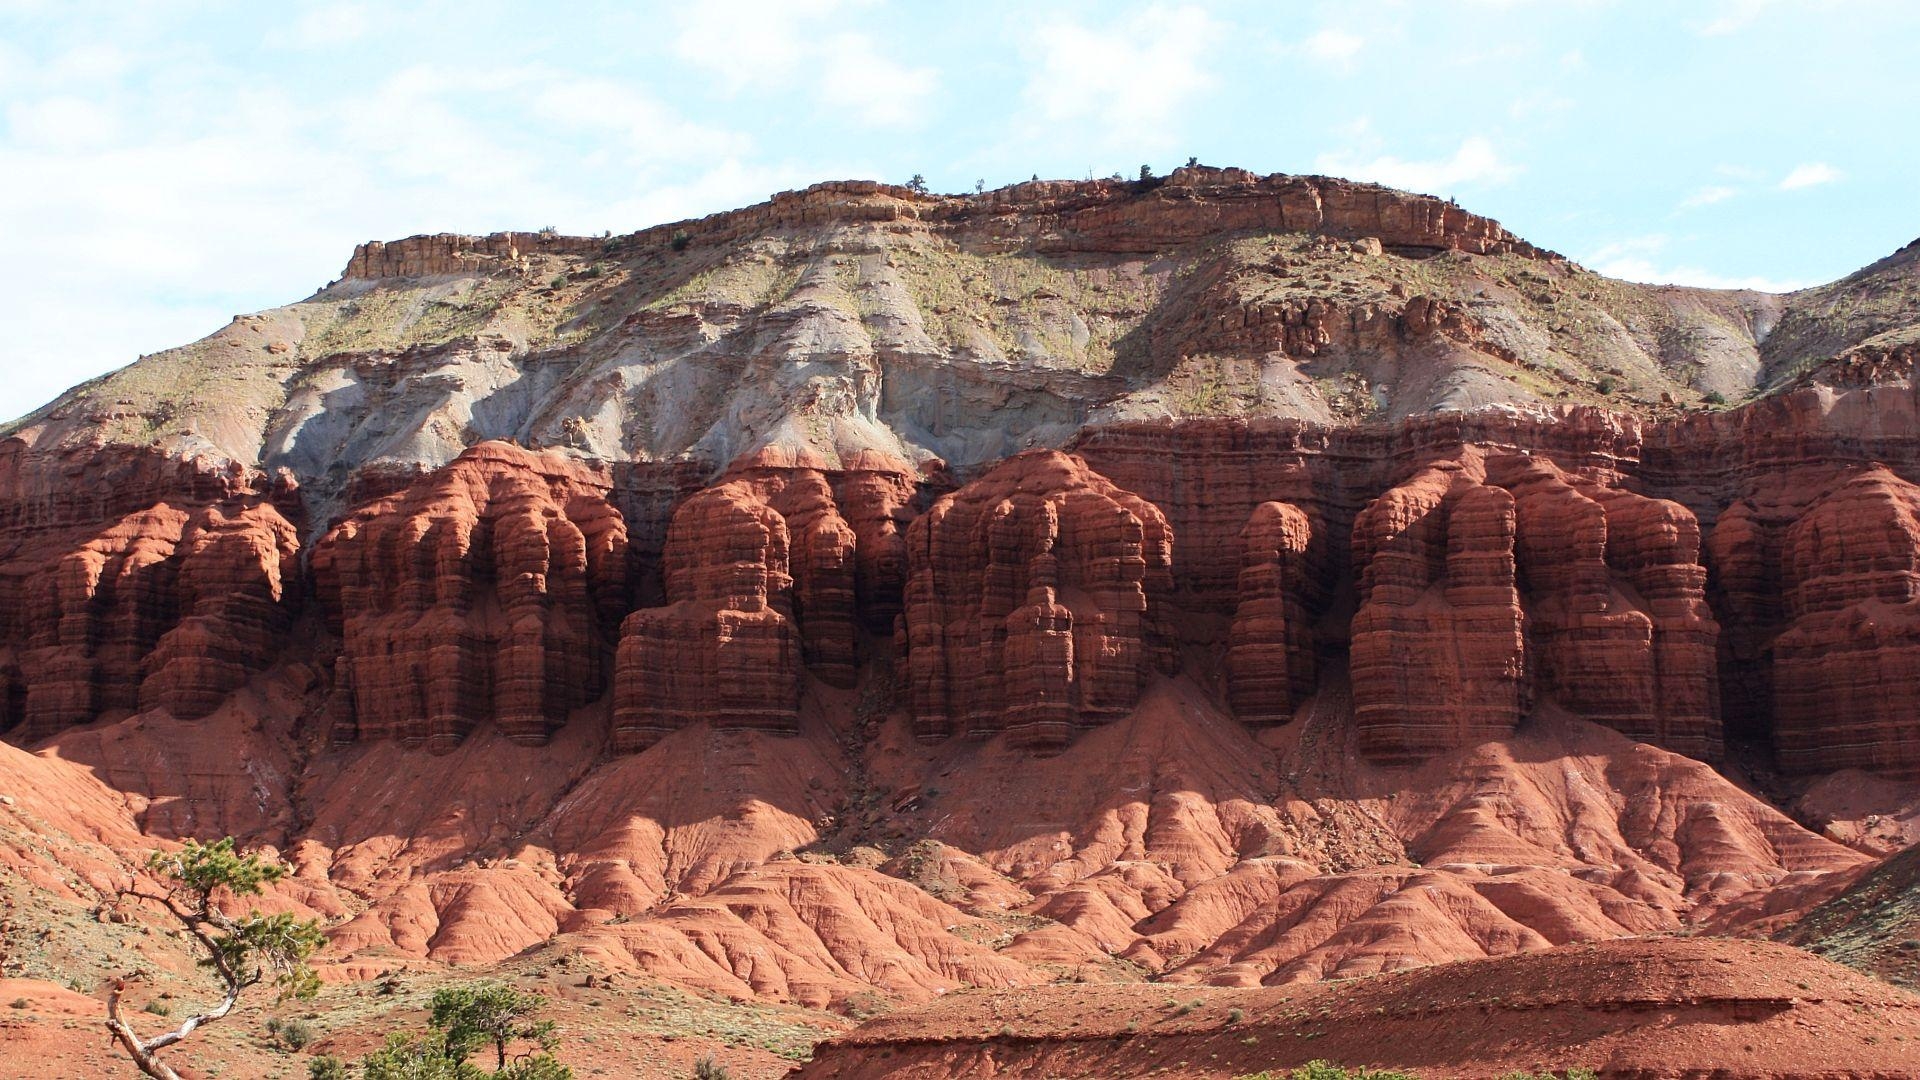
(1204, 587)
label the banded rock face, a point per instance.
(239, 579)
(1438, 647)
(1027, 604)
(765, 577)
(1270, 650)
(134, 580)
(1617, 618)
(478, 593)
(1846, 663)
(1493, 581)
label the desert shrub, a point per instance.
(290, 1035)
(681, 240)
(1607, 384)
(708, 1069)
(326, 1067)
(1715, 397)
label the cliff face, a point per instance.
(1456, 573)
(1100, 555)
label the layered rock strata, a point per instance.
(1027, 603)
(1840, 583)
(1438, 647)
(1617, 621)
(1271, 645)
(764, 578)
(1462, 568)
(479, 593)
(135, 579)
(238, 581)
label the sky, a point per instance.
(167, 164)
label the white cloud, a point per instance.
(858, 77)
(651, 132)
(1734, 16)
(1335, 46)
(1131, 76)
(1707, 196)
(326, 24)
(772, 46)
(1474, 163)
(68, 122)
(242, 197)
(1638, 259)
(1810, 174)
(750, 43)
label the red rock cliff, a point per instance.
(134, 579)
(478, 593)
(765, 577)
(1027, 602)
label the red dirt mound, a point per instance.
(1645, 1008)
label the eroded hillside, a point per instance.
(860, 597)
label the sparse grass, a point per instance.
(1326, 1070)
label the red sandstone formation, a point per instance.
(237, 581)
(451, 253)
(1437, 642)
(764, 577)
(724, 649)
(1845, 687)
(1027, 603)
(1617, 622)
(134, 580)
(477, 594)
(1097, 215)
(1270, 652)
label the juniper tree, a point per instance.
(241, 952)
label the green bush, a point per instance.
(326, 1067)
(708, 1069)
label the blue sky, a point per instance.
(165, 165)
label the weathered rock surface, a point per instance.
(1270, 649)
(132, 579)
(1438, 643)
(238, 581)
(1845, 666)
(1027, 603)
(1617, 620)
(478, 594)
(724, 649)
(764, 577)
